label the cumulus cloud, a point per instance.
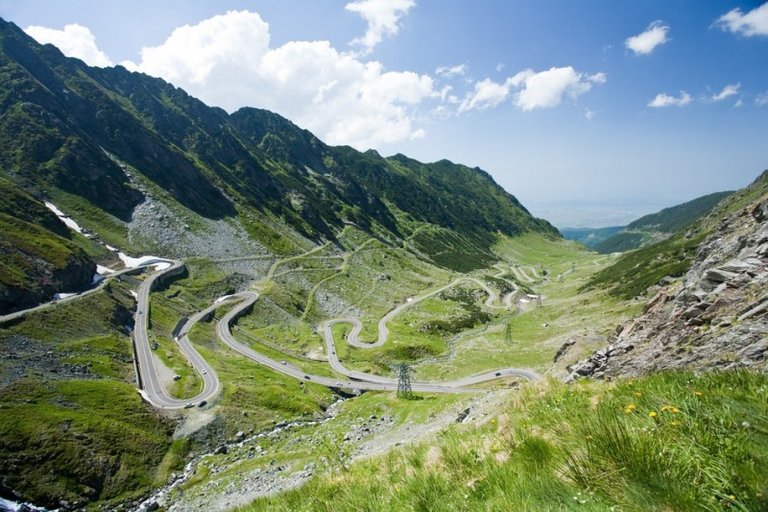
(752, 23)
(547, 88)
(761, 100)
(531, 90)
(645, 42)
(73, 41)
(487, 94)
(227, 61)
(665, 100)
(383, 18)
(452, 71)
(727, 92)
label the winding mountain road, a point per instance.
(155, 393)
(152, 388)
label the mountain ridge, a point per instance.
(111, 146)
(660, 225)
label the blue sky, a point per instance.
(591, 113)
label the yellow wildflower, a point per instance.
(675, 410)
(698, 393)
(629, 409)
(653, 414)
(638, 394)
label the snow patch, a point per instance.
(113, 249)
(144, 261)
(101, 269)
(59, 296)
(222, 299)
(97, 278)
(63, 217)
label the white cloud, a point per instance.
(739, 103)
(727, 92)
(452, 71)
(645, 42)
(487, 94)
(382, 16)
(532, 90)
(227, 61)
(74, 41)
(547, 88)
(761, 100)
(589, 114)
(665, 100)
(753, 23)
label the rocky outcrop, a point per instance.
(713, 318)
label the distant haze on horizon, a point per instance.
(592, 214)
(591, 116)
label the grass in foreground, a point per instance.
(673, 441)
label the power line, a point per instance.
(404, 389)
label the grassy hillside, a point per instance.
(67, 396)
(677, 218)
(37, 255)
(661, 225)
(666, 442)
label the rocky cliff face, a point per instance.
(712, 318)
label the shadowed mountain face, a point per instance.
(37, 256)
(106, 138)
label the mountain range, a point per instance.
(107, 144)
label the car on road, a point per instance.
(498, 374)
(306, 377)
(283, 362)
(202, 403)
(189, 405)
(205, 372)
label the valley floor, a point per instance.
(268, 431)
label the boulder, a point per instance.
(562, 350)
(462, 415)
(716, 275)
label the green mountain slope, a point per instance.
(37, 256)
(660, 225)
(104, 142)
(634, 272)
(636, 445)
